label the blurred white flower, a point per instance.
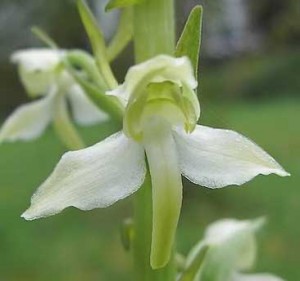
(160, 120)
(231, 250)
(43, 76)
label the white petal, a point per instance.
(37, 59)
(37, 69)
(216, 158)
(28, 121)
(256, 277)
(222, 230)
(84, 111)
(158, 69)
(221, 260)
(95, 177)
(235, 238)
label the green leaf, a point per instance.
(114, 4)
(190, 40)
(123, 35)
(97, 41)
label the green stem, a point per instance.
(154, 29)
(154, 33)
(64, 127)
(88, 64)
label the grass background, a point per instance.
(76, 245)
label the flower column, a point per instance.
(154, 33)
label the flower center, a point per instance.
(174, 104)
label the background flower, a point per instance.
(42, 75)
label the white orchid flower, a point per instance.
(42, 75)
(160, 120)
(231, 250)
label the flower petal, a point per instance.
(216, 158)
(36, 68)
(256, 277)
(166, 189)
(238, 237)
(37, 59)
(28, 121)
(225, 229)
(95, 177)
(84, 111)
(159, 69)
(232, 247)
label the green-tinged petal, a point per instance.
(190, 40)
(160, 81)
(95, 177)
(114, 4)
(167, 189)
(97, 41)
(36, 68)
(85, 112)
(239, 235)
(216, 158)
(228, 238)
(161, 68)
(28, 121)
(123, 35)
(190, 107)
(218, 264)
(160, 99)
(232, 247)
(256, 277)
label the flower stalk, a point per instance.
(154, 29)
(64, 127)
(154, 34)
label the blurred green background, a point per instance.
(249, 82)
